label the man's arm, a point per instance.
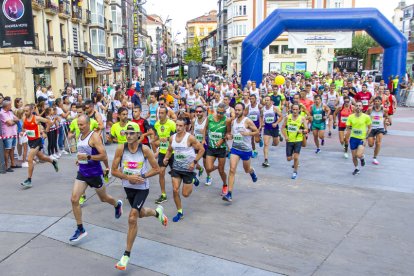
(279, 114)
(252, 127)
(284, 132)
(96, 142)
(149, 155)
(169, 151)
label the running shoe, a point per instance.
(224, 190)
(79, 234)
(55, 165)
(322, 142)
(228, 197)
(318, 151)
(375, 161)
(82, 200)
(265, 164)
(255, 154)
(25, 165)
(362, 162)
(261, 142)
(208, 180)
(118, 209)
(200, 171)
(356, 171)
(123, 262)
(196, 182)
(161, 199)
(106, 175)
(27, 183)
(64, 152)
(178, 217)
(55, 156)
(280, 138)
(254, 176)
(346, 155)
(329, 134)
(294, 175)
(161, 217)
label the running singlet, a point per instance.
(119, 132)
(164, 131)
(331, 100)
(254, 114)
(228, 112)
(269, 117)
(153, 113)
(216, 131)
(240, 142)
(215, 104)
(359, 125)
(88, 168)
(183, 154)
(191, 100)
(343, 116)
(134, 164)
(364, 98)
(198, 129)
(32, 129)
(317, 115)
(293, 127)
(377, 118)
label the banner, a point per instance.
(300, 67)
(16, 21)
(320, 39)
(288, 67)
(135, 26)
(138, 56)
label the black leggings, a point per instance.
(52, 142)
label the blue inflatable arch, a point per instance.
(368, 19)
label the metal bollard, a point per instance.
(2, 163)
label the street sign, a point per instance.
(164, 57)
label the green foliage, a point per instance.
(360, 46)
(194, 52)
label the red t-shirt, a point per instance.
(364, 98)
(307, 103)
(144, 127)
(130, 92)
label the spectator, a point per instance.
(136, 100)
(9, 131)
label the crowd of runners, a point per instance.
(192, 128)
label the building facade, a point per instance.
(200, 27)
(222, 36)
(209, 48)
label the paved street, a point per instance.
(327, 222)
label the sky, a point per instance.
(180, 11)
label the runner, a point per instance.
(342, 113)
(392, 107)
(144, 126)
(364, 97)
(358, 125)
(199, 124)
(332, 102)
(183, 145)
(253, 111)
(379, 118)
(269, 121)
(31, 128)
(93, 114)
(152, 111)
(131, 164)
(118, 129)
(294, 126)
(91, 152)
(164, 128)
(241, 130)
(229, 110)
(216, 101)
(319, 114)
(215, 132)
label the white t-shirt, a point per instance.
(50, 95)
(39, 93)
(59, 112)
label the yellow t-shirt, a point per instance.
(118, 132)
(359, 125)
(164, 131)
(73, 127)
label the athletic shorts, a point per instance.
(205, 151)
(354, 143)
(187, 177)
(36, 143)
(375, 131)
(218, 153)
(161, 157)
(293, 147)
(341, 128)
(136, 197)
(321, 126)
(93, 182)
(274, 132)
(244, 155)
(9, 143)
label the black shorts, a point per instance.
(274, 132)
(136, 197)
(341, 128)
(293, 147)
(205, 151)
(187, 177)
(35, 143)
(375, 131)
(219, 153)
(161, 157)
(93, 182)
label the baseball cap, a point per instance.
(133, 126)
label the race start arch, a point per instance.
(368, 19)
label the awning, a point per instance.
(101, 66)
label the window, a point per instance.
(98, 42)
(301, 50)
(117, 41)
(116, 19)
(97, 12)
(239, 10)
(274, 49)
(286, 50)
(338, 4)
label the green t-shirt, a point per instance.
(119, 132)
(165, 131)
(359, 125)
(395, 83)
(73, 127)
(339, 84)
(277, 100)
(216, 131)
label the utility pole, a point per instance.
(158, 53)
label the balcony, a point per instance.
(87, 17)
(38, 4)
(50, 47)
(64, 10)
(36, 45)
(76, 14)
(63, 45)
(51, 8)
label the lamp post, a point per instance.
(158, 30)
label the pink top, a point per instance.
(6, 129)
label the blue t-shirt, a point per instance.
(137, 86)
(136, 101)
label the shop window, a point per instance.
(274, 49)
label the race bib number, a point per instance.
(132, 168)
(237, 137)
(216, 135)
(253, 117)
(292, 128)
(30, 133)
(269, 120)
(153, 117)
(179, 156)
(191, 102)
(376, 120)
(364, 102)
(344, 119)
(83, 162)
(317, 116)
(199, 137)
(357, 132)
(164, 145)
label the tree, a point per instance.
(194, 52)
(360, 45)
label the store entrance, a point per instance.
(41, 76)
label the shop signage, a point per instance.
(90, 73)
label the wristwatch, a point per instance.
(89, 157)
(195, 161)
(143, 175)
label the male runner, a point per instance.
(294, 126)
(183, 145)
(134, 163)
(242, 130)
(118, 129)
(253, 112)
(364, 97)
(91, 152)
(198, 126)
(379, 116)
(269, 121)
(319, 114)
(143, 124)
(164, 128)
(31, 127)
(342, 113)
(358, 125)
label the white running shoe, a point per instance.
(55, 156)
(346, 155)
(375, 161)
(25, 165)
(64, 152)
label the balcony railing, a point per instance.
(50, 47)
(86, 17)
(36, 45)
(64, 9)
(38, 4)
(51, 8)
(76, 13)
(63, 45)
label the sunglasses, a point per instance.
(161, 104)
(198, 111)
(221, 113)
